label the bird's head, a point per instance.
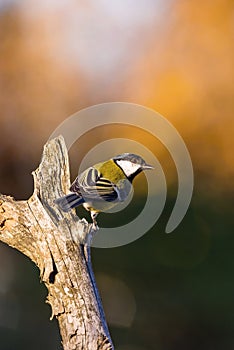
(131, 164)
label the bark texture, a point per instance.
(55, 242)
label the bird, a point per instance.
(104, 185)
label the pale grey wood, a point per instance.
(57, 243)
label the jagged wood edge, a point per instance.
(53, 240)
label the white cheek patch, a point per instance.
(128, 167)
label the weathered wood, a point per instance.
(57, 243)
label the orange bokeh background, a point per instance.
(174, 56)
(177, 58)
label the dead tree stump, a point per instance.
(54, 241)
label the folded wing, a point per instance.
(92, 186)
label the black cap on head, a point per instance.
(134, 158)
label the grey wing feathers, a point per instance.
(91, 185)
(71, 200)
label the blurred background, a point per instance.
(162, 292)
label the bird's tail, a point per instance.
(69, 201)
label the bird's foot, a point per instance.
(94, 216)
(93, 228)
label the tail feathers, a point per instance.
(69, 201)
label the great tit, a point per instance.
(102, 186)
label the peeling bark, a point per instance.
(56, 242)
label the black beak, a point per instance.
(147, 167)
